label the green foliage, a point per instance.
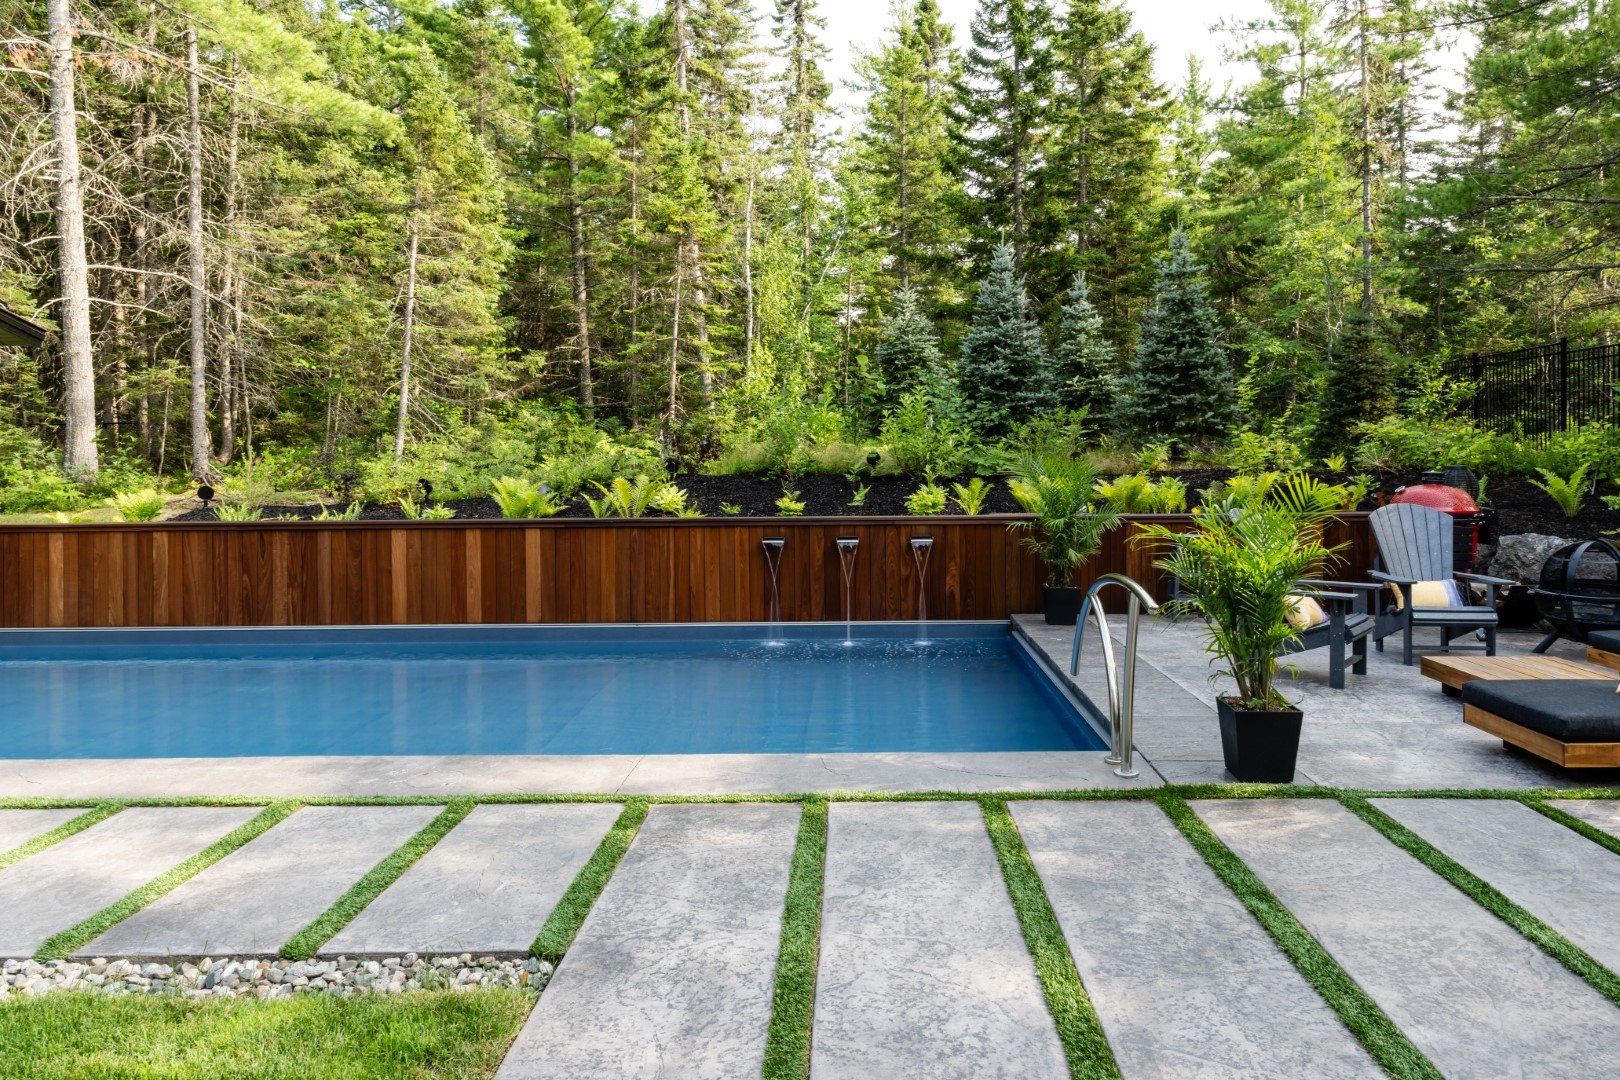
(730, 509)
(906, 348)
(928, 499)
(1083, 359)
(790, 505)
(519, 498)
(415, 511)
(1179, 383)
(1568, 494)
(143, 505)
(1138, 494)
(1251, 452)
(672, 500)
(970, 496)
(1334, 463)
(1359, 385)
(625, 498)
(1237, 569)
(1153, 457)
(859, 497)
(350, 512)
(921, 440)
(238, 512)
(1067, 529)
(1403, 444)
(1005, 374)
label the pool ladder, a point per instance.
(1121, 694)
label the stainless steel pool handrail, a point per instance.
(1121, 698)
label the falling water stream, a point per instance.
(773, 559)
(921, 548)
(847, 548)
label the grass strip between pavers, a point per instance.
(1481, 892)
(303, 945)
(793, 999)
(569, 914)
(1366, 1021)
(97, 813)
(1570, 821)
(1084, 1045)
(64, 943)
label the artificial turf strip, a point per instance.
(97, 813)
(569, 914)
(1570, 821)
(304, 944)
(1084, 1045)
(433, 1035)
(793, 1000)
(1359, 1013)
(66, 942)
(1481, 892)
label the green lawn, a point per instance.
(432, 1034)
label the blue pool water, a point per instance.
(527, 690)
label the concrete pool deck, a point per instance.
(1391, 729)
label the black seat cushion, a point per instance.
(1607, 640)
(1569, 710)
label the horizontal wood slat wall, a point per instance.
(274, 573)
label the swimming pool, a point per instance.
(792, 689)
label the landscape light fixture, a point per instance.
(206, 494)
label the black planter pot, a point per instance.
(1260, 747)
(1062, 604)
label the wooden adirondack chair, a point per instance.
(1415, 544)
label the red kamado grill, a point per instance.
(1466, 518)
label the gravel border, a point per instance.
(262, 978)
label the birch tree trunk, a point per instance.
(576, 241)
(202, 439)
(227, 292)
(748, 274)
(78, 368)
(410, 333)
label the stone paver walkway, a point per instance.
(671, 973)
(487, 887)
(1185, 981)
(72, 880)
(253, 900)
(1479, 999)
(924, 971)
(1599, 813)
(17, 827)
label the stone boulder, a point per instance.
(1520, 557)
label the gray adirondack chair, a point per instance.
(1415, 544)
(1348, 626)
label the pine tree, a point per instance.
(906, 350)
(1179, 383)
(1359, 385)
(1005, 373)
(1083, 358)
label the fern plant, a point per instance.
(926, 500)
(143, 505)
(671, 500)
(1169, 496)
(859, 498)
(238, 512)
(348, 513)
(730, 509)
(624, 498)
(519, 498)
(1127, 494)
(1333, 463)
(790, 505)
(438, 512)
(970, 496)
(1568, 494)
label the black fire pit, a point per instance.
(1579, 590)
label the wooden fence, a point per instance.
(302, 573)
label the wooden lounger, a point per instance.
(1574, 723)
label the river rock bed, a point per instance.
(270, 978)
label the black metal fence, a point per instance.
(1540, 389)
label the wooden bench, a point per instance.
(1522, 677)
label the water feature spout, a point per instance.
(921, 548)
(848, 546)
(773, 559)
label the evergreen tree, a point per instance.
(906, 349)
(1359, 385)
(1179, 384)
(1005, 373)
(1083, 358)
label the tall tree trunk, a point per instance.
(748, 274)
(635, 267)
(410, 333)
(78, 367)
(576, 242)
(675, 350)
(227, 291)
(688, 251)
(202, 439)
(1366, 165)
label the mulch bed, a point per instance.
(1520, 506)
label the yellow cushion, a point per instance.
(1432, 594)
(1304, 612)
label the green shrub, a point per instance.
(1169, 496)
(926, 500)
(143, 505)
(789, 505)
(1136, 494)
(970, 496)
(238, 512)
(626, 498)
(1251, 452)
(519, 498)
(1568, 494)
(859, 498)
(28, 490)
(1068, 530)
(921, 441)
(730, 509)
(672, 500)
(1402, 444)
(1153, 458)
(348, 513)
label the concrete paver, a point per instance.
(72, 880)
(671, 974)
(1478, 998)
(257, 897)
(17, 827)
(1599, 813)
(487, 887)
(1185, 981)
(1555, 873)
(924, 971)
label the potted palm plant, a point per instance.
(1238, 569)
(1067, 530)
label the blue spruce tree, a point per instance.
(1005, 374)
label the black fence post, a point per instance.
(1563, 384)
(1479, 387)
